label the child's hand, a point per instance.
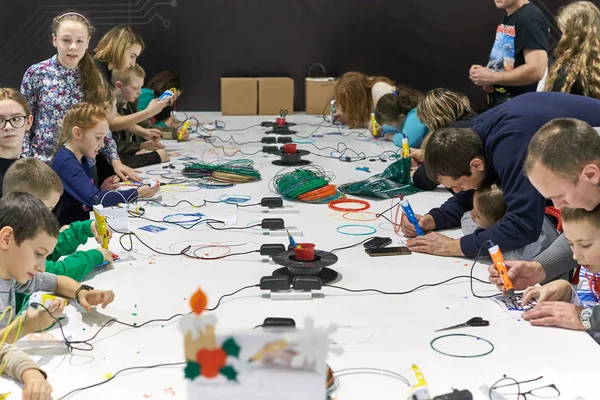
(94, 229)
(560, 290)
(110, 183)
(417, 155)
(39, 318)
(108, 257)
(89, 298)
(147, 191)
(152, 145)
(64, 228)
(185, 136)
(152, 134)
(155, 106)
(164, 157)
(35, 385)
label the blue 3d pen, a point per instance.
(408, 211)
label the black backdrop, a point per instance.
(424, 43)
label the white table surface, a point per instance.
(400, 327)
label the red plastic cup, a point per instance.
(306, 252)
(280, 121)
(290, 148)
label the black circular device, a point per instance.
(282, 129)
(291, 159)
(317, 267)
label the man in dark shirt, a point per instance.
(519, 57)
(493, 150)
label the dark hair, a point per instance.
(490, 202)
(30, 175)
(449, 152)
(564, 146)
(164, 80)
(27, 216)
(392, 106)
(91, 79)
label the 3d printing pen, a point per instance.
(498, 260)
(132, 207)
(408, 211)
(101, 224)
(419, 391)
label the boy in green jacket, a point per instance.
(30, 175)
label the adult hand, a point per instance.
(94, 229)
(110, 183)
(425, 222)
(555, 313)
(155, 106)
(560, 290)
(124, 172)
(437, 244)
(35, 385)
(522, 274)
(89, 298)
(482, 76)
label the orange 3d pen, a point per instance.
(498, 260)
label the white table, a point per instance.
(400, 327)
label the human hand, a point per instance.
(39, 318)
(94, 229)
(482, 76)
(555, 313)
(437, 244)
(89, 298)
(147, 191)
(124, 172)
(185, 136)
(425, 222)
(417, 155)
(64, 228)
(560, 290)
(152, 145)
(152, 134)
(107, 254)
(35, 385)
(110, 183)
(522, 274)
(164, 157)
(339, 116)
(155, 106)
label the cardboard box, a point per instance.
(275, 94)
(319, 92)
(239, 96)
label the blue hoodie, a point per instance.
(505, 133)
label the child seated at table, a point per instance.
(82, 136)
(156, 86)
(30, 175)
(564, 305)
(488, 208)
(138, 143)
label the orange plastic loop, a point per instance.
(333, 205)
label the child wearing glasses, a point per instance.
(15, 120)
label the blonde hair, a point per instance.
(579, 214)
(90, 75)
(441, 107)
(490, 202)
(353, 95)
(112, 47)
(15, 95)
(578, 50)
(82, 115)
(30, 175)
(124, 76)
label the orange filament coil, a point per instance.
(318, 194)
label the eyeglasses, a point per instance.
(16, 122)
(506, 391)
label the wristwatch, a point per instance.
(82, 287)
(585, 316)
